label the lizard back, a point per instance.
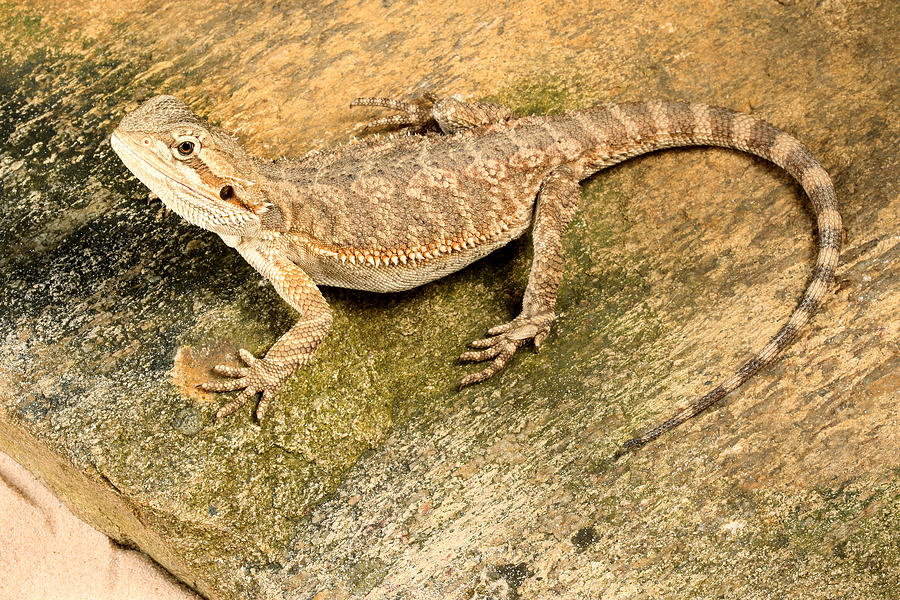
(410, 190)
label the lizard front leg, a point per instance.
(556, 204)
(292, 350)
(448, 114)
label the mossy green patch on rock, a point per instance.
(538, 95)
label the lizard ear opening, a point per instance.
(226, 193)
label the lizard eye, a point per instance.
(185, 148)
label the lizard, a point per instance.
(395, 212)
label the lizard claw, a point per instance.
(260, 376)
(502, 342)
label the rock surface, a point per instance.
(372, 477)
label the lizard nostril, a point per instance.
(226, 193)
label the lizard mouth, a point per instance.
(196, 206)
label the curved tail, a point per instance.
(655, 125)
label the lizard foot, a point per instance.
(429, 113)
(503, 341)
(416, 115)
(260, 376)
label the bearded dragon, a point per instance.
(398, 212)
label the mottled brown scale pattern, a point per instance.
(434, 199)
(681, 119)
(721, 124)
(393, 213)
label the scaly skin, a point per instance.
(395, 213)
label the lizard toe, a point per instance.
(485, 342)
(247, 357)
(501, 328)
(224, 385)
(504, 353)
(228, 371)
(480, 355)
(413, 115)
(263, 407)
(243, 398)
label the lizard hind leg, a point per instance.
(556, 205)
(449, 114)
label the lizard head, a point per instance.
(198, 171)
